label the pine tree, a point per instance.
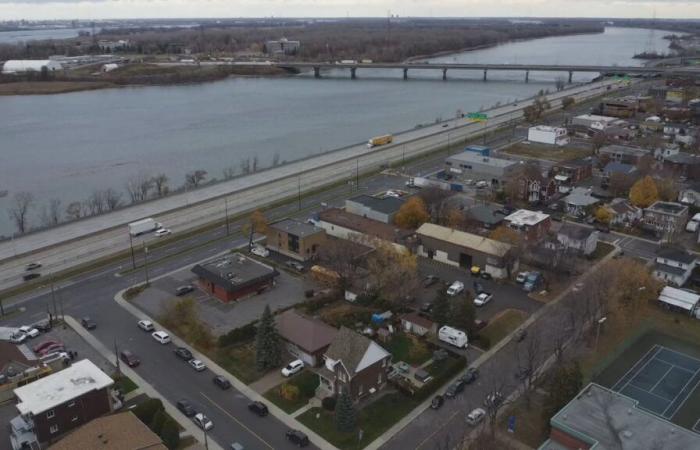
(345, 417)
(267, 343)
(170, 434)
(441, 308)
(463, 314)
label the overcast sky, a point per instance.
(99, 9)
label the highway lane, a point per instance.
(196, 208)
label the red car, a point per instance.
(51, 349)
(39, 347)
(129, 358)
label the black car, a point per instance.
(297, 437)
(44, 327)
(296, 265)
(88, 323)
(258, 408)
(129, 358)
(520, 335)
(486, 275)
(222, 382)
(32, 266)
(437, 402)
(430, 280)
(182, 290)
(186, 408)
(183, 353)
(470, 376)
(603, 228)
(454, 389)
(30, 276)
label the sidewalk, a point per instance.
(144, 387)
(267, 382)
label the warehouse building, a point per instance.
(545, 134)
(382, 209)
(17, 66)
(470, 165)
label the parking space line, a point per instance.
(237, 421)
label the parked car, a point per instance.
(476, 416)
(483, 299)
(146, 325)
(162, 232)
(430, 280)
(30, 276)
(486, 276)
(437, 402)
(260, 251)
(258, 408)
(30, 332)
(293, 367)
(197, 365)
(18, 338)
(534, 279)
(522, 276)
(203, 422)
(296, 265)
(45, 344)
(88, 323)
(185, 289)
(426, 307)
(480, 324)
(44, 326)
(454, 389)
(52, 349)
(32, 266)
(455, 288)
(186, 408)
(222, 382)
(129, 358)
(183, 353)
(475, 271)
(161, 336)
(297, 437)
(471, 375)
(602, 227)
(493, 399)
(237, 446)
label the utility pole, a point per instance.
(116, 356)
(403, 158)
(145, 261)
(357, 173)
(206, 441)
(299, 191)
(131, 245)
(53, 297)
(228, 230)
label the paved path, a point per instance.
(267, 382)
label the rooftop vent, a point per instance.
(627, 434)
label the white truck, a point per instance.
(453, 336)
(143, 226)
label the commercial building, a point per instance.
(123, 431)
(680, 300)
(382, 209)
(545, 134)
(17, 66)
(344, 225)
(582, 239)
(470, 165)
(305, 338)
(59, 403)
(593, 121)
(460, 249)
(622, 107)
(234, 277)
(674, 265)
(296, 239)
(666, 217)
(282, 47)
(623, 153)
(532, 225)
(599, 418)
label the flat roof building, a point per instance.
(623, 153)
(533, 225)
(234, 277)
(294, 238)
(470, 165)
(345, 225)
(382, 209)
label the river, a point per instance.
(65, 146)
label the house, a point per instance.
(582, 239)
(122, 431)
(572, 171)
(381, 209)
(684, 164)
(344, 225)
(667, 150)
(585, 423)
(486, 216)
(674, 265)
(15, 66)
(60, 402)
(623, 212)
(680, 300)
(623, 153)
(234, 277)
(690, 194)
(535, 188)
(296, 239)
(472, 166)
(593, 121)
(578, 201)
(306, 339)
(617, 168)
(652, 124)
(546, 134)
(461, 249)
(672, 129)
(355, 364)
(416, 324)
(532, 225)
(666, 217)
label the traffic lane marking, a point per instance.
(237, 421)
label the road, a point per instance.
(77, 243)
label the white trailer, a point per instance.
(453, 336)
(143, 226)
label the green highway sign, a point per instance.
(477, 116)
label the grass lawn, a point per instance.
(124, 384)
(404, 347)
(306, 381)
(549, 152)
(530, 426)
(501, 325)
(239, 359)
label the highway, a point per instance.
(83, 241)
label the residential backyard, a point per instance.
(295, 392)
(408, 348)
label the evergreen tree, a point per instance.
(565, 383)
(463, 314)
(441, 308)
(159, 419)
(268, 353)
(170, 433)
(345, 417)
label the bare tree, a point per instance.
(255, 163)
(51, 214)
(560, 83)
(529, 355)
(22, 202)
(245, 166)
(195, 178)
(112, 199)
(343, 256)
(160, 182)
(96, 202)
(74, 211)
(495, 401)
(138, 187)
(276, 159)
(229, 172)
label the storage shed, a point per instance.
(30, 65)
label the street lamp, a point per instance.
(601, 321)
(145, 261)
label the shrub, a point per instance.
(328, 403)
(314, 304)
(158, 421)
(147, 410)
(289, 392)
(170, 433)
(242, 334)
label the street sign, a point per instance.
(479, 117)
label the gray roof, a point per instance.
(673, 270)
(296, 227)
(386, 205)
(676, 254)
(309, 334)
(576, 232)
(234, 272)
(488, 214)
(602, 417)
(623, 150)
(616, 167)
(683, 158)
(667, 208)
(471, 157)
(580, 197)
(351, 349)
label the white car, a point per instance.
(293, 367)
(197, 365)
(455, 288)
(163, 232)
(522, 276)
(161, 336)
(483, 299)
(203, 422)
(476, 416)
(28, 331)
(146, 325)
(18, 338)
(260, 251)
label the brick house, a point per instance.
(572, 172)
(354, 363)
(296, 239)
(61, 402)
(532, 225)
(234, 277)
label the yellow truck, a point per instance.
(380, 140)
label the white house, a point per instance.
(14, 66)
(674, 265)
(109, 67)
(548, 135)
(680, 300)
(581, 239)
(593, 121)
